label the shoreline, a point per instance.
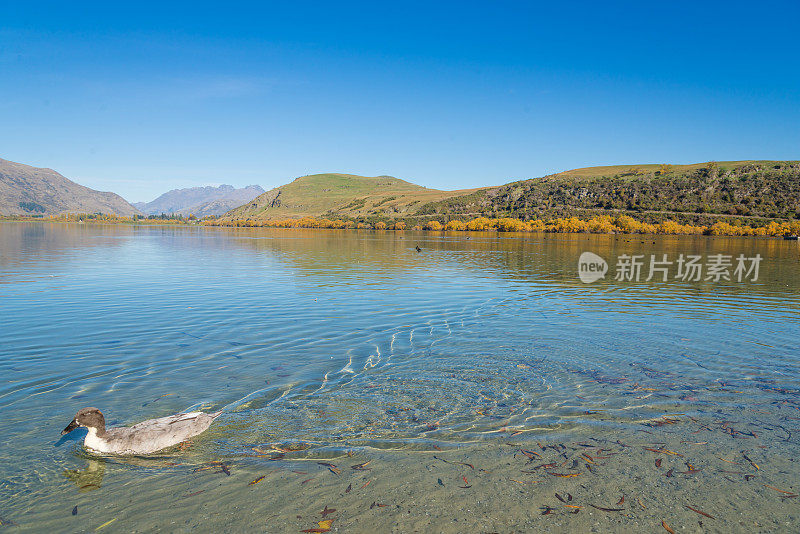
(605, 225)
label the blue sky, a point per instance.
(146, 98)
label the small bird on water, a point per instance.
(143, 438)
(418, 249)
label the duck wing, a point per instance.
(156, 434)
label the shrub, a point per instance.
(510, 225)
(480, 224)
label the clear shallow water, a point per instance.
(351, 347)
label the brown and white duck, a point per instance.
(142, 438)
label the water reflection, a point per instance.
(90, 478)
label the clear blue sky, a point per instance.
(142, 99)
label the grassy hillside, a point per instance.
(341, 195)
(698, 193)
(701, 193)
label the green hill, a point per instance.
(340, 195)
(700, 193)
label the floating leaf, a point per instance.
(105, 524)
(361, 467)
(331, 467)
(322, 526)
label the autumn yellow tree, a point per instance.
(510, 225)
(479, 224)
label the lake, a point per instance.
(475, 386)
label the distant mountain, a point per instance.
(200, 201)
(346, 195)
(26, 190)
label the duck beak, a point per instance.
(70, 427)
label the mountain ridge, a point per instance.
(28, 190)
(200, 201)
(698, 192)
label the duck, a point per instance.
(146, 437)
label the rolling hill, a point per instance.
(341, 195)
(200, 201)
(701, 193)
(26, 190)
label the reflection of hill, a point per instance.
(53, 241)
(341, 257)
(548, 260)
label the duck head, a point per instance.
(91, 418)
